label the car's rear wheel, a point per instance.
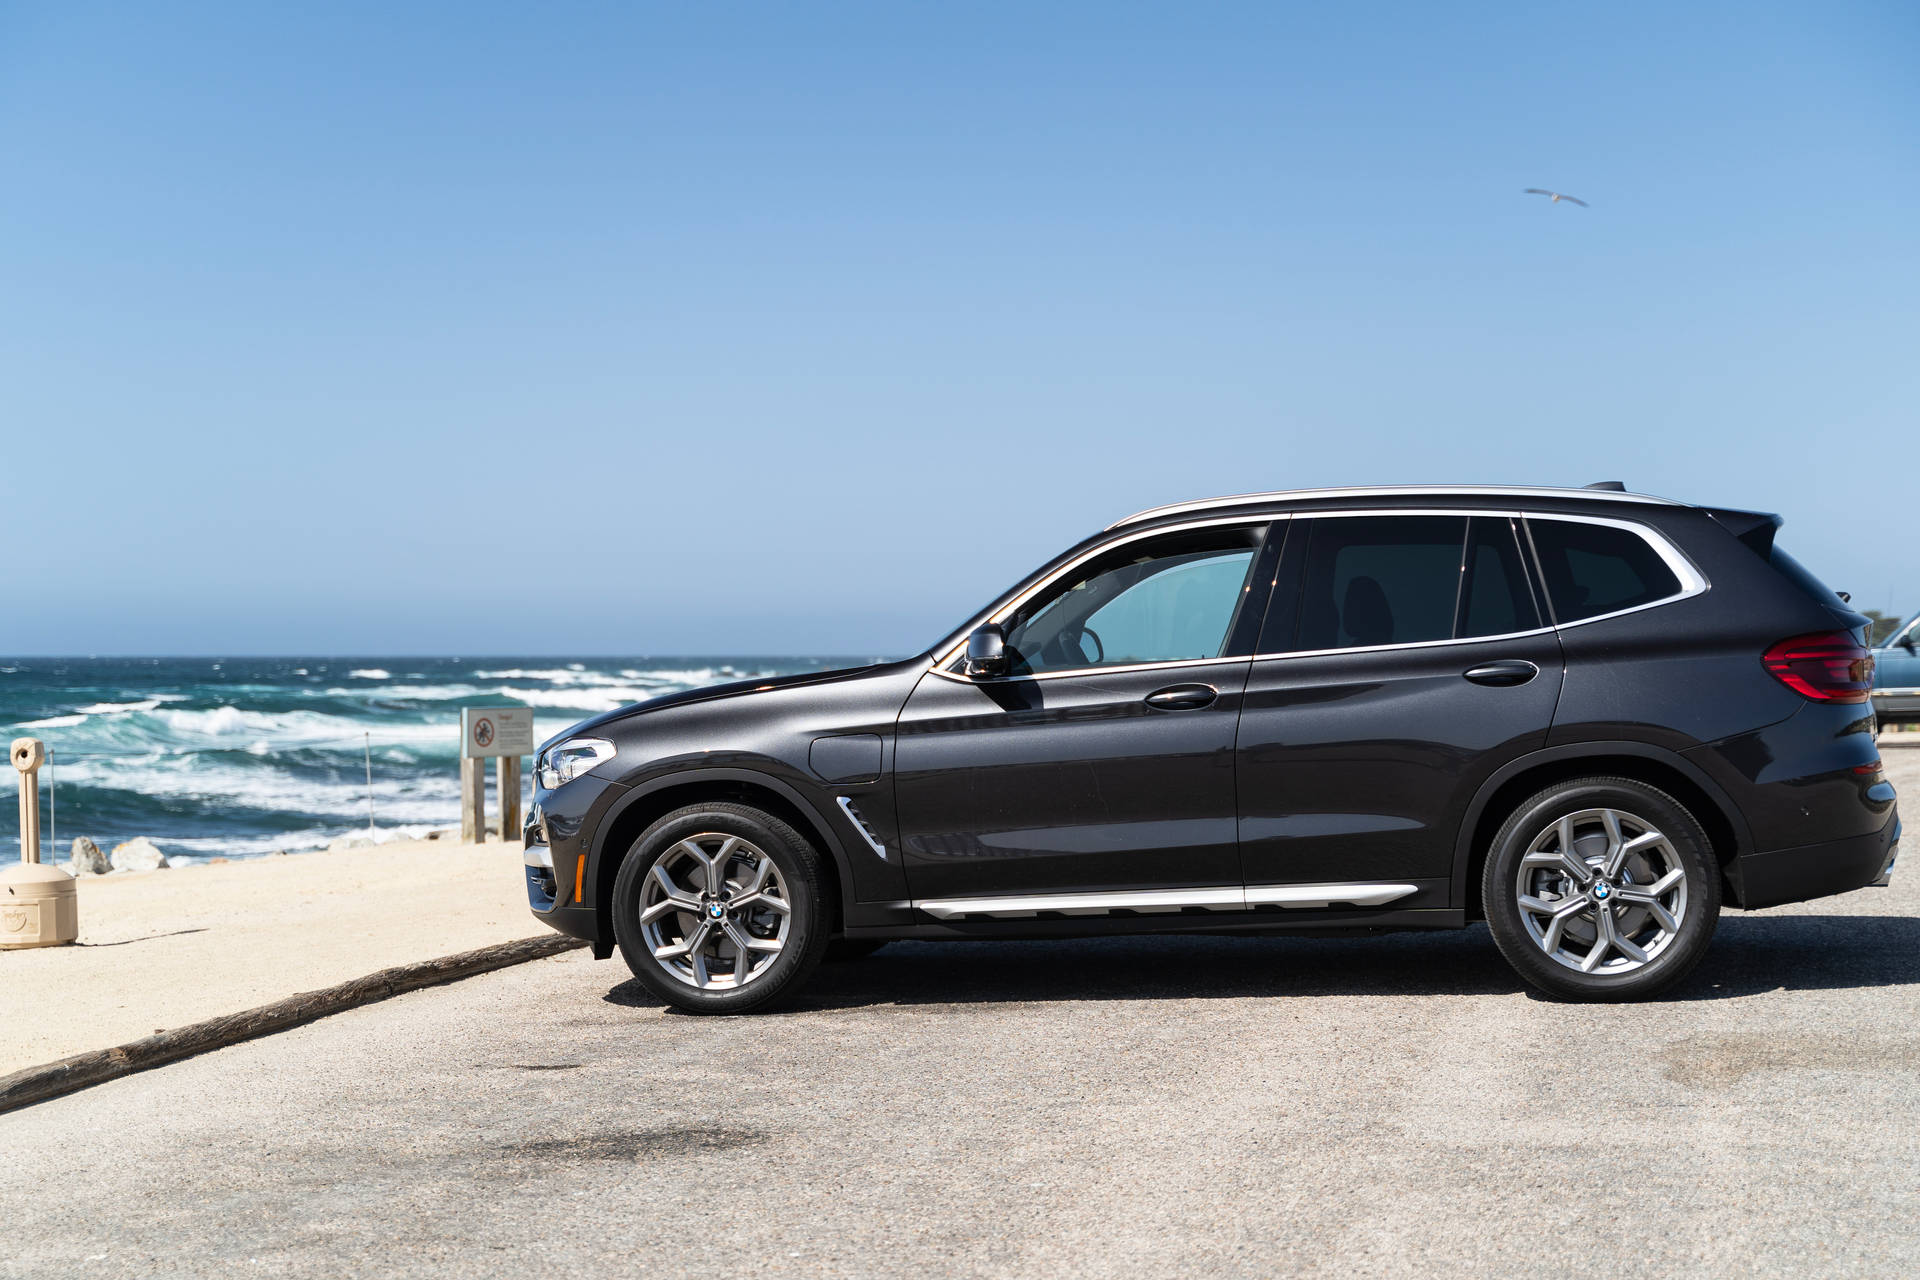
(1602, 889)
(718, 908)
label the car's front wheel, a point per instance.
(1602, 889)
(718, 908)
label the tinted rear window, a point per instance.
(1592, 569)
(1381, 580)
(1494, 597)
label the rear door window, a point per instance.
(1495, 599)
(1591, 569)
(1378, 580)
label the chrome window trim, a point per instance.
(1299, 897)
(1001, 612)
(1692, 581)
(1093, 671)
(1410, 644)
(846, 807)
(1385, 491)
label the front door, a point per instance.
(1404, 661)
(1104, 760)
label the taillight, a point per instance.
(1828, 666)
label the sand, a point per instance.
(161, 949)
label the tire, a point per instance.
(782, 947)
(1546, 912)
(847, 950)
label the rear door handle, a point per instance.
(1508, 671)
(1183, 697)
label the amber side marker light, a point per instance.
(579, 876)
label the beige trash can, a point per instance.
(38, 907)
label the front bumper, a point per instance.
(541, 889)
(559, 861)
(552, 907)
(1816, 870)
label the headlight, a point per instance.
(563, 762)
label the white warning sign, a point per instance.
(496, 731)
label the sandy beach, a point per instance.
(161, 949)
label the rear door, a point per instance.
(1403, 661)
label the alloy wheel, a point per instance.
(1602, 891)
(714, 911)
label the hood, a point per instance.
(706, 693)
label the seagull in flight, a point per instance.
(1557, 197)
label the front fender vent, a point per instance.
(860, 825)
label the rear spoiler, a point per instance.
(1755, 528)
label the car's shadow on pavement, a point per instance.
(1750, 955)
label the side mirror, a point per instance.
(1906, 642)
(987, 652)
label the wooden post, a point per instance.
(508, 778)
(473, 800)
(28, 754)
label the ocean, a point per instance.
(242, 757)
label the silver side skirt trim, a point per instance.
(1149, 901)
(1305, 896)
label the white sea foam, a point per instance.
(53, 722)
(603, 699)
(403, 692)
(553, 675)
(282, 730)
(108, 708)
(370, 673)
(210, 779)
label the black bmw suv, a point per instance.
(1586, 716)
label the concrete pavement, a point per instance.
(1170, 1107)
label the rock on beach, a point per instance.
(139, 854)
(87, 860)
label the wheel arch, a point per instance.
(1497, 798)
(649, 802)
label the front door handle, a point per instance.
(1509, 671)
(1183, 697)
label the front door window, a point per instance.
(1170, 600)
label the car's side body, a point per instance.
(1269, 786)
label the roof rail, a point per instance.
(1590, 493)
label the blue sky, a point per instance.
(773, 328)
